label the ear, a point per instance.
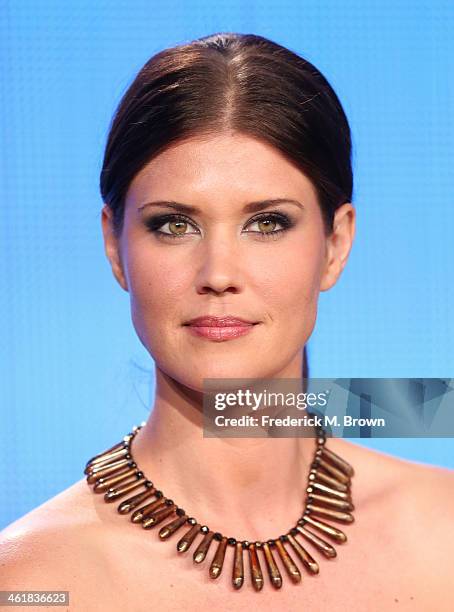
(339, 244)
(112, 246)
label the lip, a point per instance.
(225, 321)
(219, 329)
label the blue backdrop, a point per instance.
(74, 376)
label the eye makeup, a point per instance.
(156, 222)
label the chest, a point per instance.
(141, 577)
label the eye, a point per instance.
(267, 225)
(177, 225)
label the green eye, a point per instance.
(178, 225)
(267, 224)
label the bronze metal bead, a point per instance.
(131, 503)
(323, 546)
(238, 567)
(334, 472)
(289, 564)
(94, 476)
(321, 476)
(131, 479)
(115, 493)
(107, 453)
(218, 559)
(340, 504)
(104, 461)
(328, 490)
(338, 461)
(102, 484)
(332, 532)
(169, 529)
(273, 570)
(307, 560)
(145, 511)
(107, 470)
(201, 551)
(185, 542)
(158, 516)
(256, 570)
(338, 515)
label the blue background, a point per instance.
(74, 376)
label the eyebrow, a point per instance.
(251, 207)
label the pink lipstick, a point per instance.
(220, 328)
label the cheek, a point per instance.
(156, 285)
(290, 279)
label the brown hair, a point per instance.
(241, 83)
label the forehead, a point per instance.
(232, 166)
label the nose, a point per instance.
(219, 270)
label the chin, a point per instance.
(194, 378)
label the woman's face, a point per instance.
(266, 263)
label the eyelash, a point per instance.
(154, 223)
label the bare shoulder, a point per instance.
(407, 511)
(411, 477)
(418, 490)
(55, 546)
(427, 503)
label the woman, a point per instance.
(227, 188)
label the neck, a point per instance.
(247, 488)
